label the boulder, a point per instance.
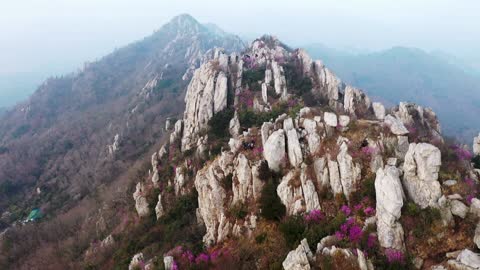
(396, 126)
(141, 203)
(330, 119)
(294, 149)
(378, 110)
(274, 150)
(344, 120)
(298, 259)
(475, 207)
(465, 260)
(389, 194)
(458, 208)
(421, 167)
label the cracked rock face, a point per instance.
(355, 101)
(389, 194)
(211, 196)
(206, 95)
(421, 167)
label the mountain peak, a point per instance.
(185, 22)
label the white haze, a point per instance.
(55, 36)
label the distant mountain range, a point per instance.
(406, 74)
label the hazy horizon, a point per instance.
(53, 37)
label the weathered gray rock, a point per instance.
(291, 195)
(458, 208)
(475, 207)
(330, 119)
(280, 83)
(180, 180)
(466, 259)
(211, 198)
(234, 125)
(396, 126)
(334, 175)
(450, 183)
(274, 150)
(264, 93)
(378, 110)
(112, 148)
(330, 85)
(136, 261)
(476, 145)
(355, 101)
(476, 238)
(159, 212)
(350, 173)
(168, 262)
(297, 259)
(141, 203)
(421, 167)
(288, 124)
(206, 95)
(313, 139)
(344, 120)
(177, 132)
(309, 193)
(389, 194)
(294, 150)
(321, 171)
(266, 130)
(242, 180)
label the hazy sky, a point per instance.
(51, 35)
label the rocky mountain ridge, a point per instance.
(331, 147)
(275, 163)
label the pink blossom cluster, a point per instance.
(258, 151)
(472, 188)
(245, 98)
(186, 257)
(350, 230)
(314, 216)
(462, 153)
(369, 150)
(395, 256)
